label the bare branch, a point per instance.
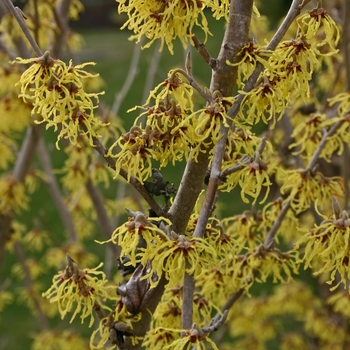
(270, 237)
(102, 216)
(133, 181)
(133, 70)
(202, 50)
(55, 192)
(322, 144)
(21, 168)
(19, 16)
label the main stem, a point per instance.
(223, 80)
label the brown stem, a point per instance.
(232, 299)
(236, 35)
(99, 311)
(223, 80)
(55, 192)
(61, 17)
(102, 216)
(140, 328)
(17, 13)
(202, 50)
(133, 181)
(22, 165)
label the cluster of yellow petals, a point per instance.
(56, 92)
(328, 243)
(172, 131)
(79, 289)
(48, 26)
(288, 69)
(169, 20)
(304, 187)
(13, 196)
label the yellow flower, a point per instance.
(176, 255)
(159, 338)
(55, 255)
(172, 88)
(310, 24)
(164, 21)
(243, 228)
(305, 186)
(7, 154)
(328, 242)
(114, 327)
(249, 55)
(252, 175)
(46, 29)
(135, 152)
(340, 302)
(294, 61)
(13, 197)
(267, 101)
(270, 212)
(207, 121)
(36, 239)
(308, 135)
(138, 231)
(77, 288)
(259, 264)
(59, 340)
(58, 96)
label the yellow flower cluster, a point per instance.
(328, 243)
(170, 20)
(169, 338)
(13, 197)
(288, 69)
(57, 94)
(327, 39)
(252, 174)
(77, 288)
(47, 28)
(173, 131)
(59, 340)
(305, 187)
(14, 114)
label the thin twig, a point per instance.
(24, 159)
(322, 144)
(18, 14)
(55, 192)
(193, 82)
(151, 72)
(98, 310)
(232, 299)
(273, 231)
(270, 237)
(102, 216)
(202, 50)
(61, 12)
(133, 181)
(130, 78)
